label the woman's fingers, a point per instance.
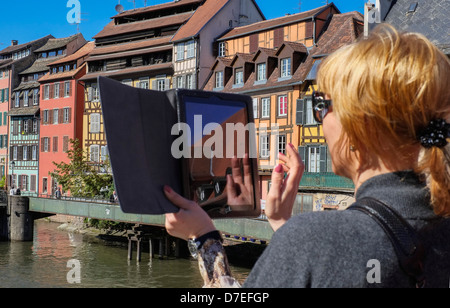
(275, 192)
(178, 200)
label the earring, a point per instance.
(352, 148)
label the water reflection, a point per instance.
(43, 263)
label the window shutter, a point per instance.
(19, 153)
(154, 85)
(70, 115)
(61, 116)
(167, 84)
(300, 112)
(7, 94)
(90, 94)
(55, 144)
(70, 88)
(303, 151)
(323, 158)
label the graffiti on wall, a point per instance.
(331, 202)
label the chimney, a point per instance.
(14, 43)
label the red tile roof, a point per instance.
(201, 18)
(153, 8)
(109, 49)
(112, 29)
(343, 29)
(274, 23)
(82, 52)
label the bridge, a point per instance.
(31, 208)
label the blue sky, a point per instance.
(27, 20)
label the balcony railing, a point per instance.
(325, 180)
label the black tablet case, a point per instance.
(138, 126)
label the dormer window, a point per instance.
(219, 80)
(261, 72)
(286, 66)
(239, 76)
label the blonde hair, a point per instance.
(385, 90)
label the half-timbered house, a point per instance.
(13, 60)
(25, 114)
(275, 62)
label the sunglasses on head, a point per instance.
(321, 106)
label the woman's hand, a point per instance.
(190, 222)
(240, 187)
(283, 191)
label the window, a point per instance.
(56, 89)
(25, 98)
(264, 146)
(55, 119)
(35, 126)
(104, 153)
(180, 52)
(190, 84)
(25, 126)
(46, 91)
(190, 49)
(94, 93)
(239, 76)
(95, 123)
(35, 97)
(45, 116)
(282, 106)
(144, 83)
(66, 116)
(67, 89)
(309, 120)
(316, 158)
(265, 107)
(219, 80)
(94, 153)
(162, 84)
(15, 151)
(286, 68)
(255, 108)
(17, 101)
(44, 185)
(282, 144)
(261, 75)
(25, 153)
(305, 112)
(45, 144)
(34, 150)
(222, 49)
(180, 82)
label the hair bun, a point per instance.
(435, 134)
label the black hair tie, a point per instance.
(435, 134)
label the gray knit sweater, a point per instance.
(338, 248)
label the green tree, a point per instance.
(80, 176)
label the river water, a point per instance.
(46, 263)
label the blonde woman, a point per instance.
(385, 113)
